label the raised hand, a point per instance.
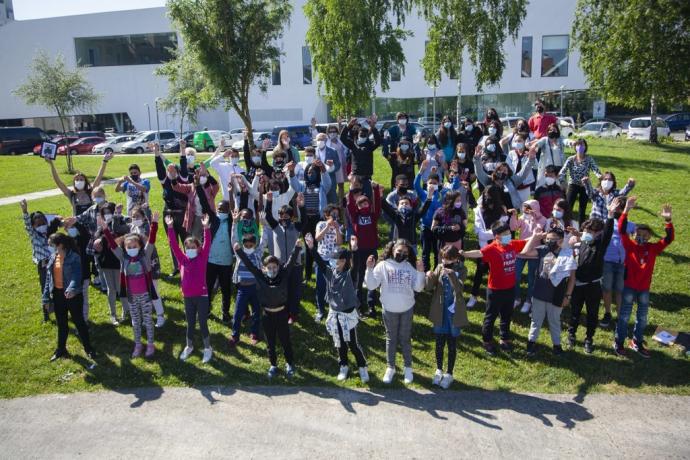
(298, 243)
(290, 166)
(169, 221)
(372, 120)
(108, 156)
(155, 216)
(313, 122)
(420, 265)
(666, 212)
(235, 214)
(101, 222)
(309, 240)
(585, 180)
(69, 222)
(371, 262)
(269, 196)
(24, 206)
(205, 221)
(118, 209)
(183, 145)
(353, 243)
(630, 203)
(631, 182)
(236, 246)
(300, 199)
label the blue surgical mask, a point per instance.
(73, 232)
(558, 214)
(587, 237)
(222, 215)
(505, 239)
(191, 253)
(132, 252)
(491, 148)
(42, 228)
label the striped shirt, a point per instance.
(601, 202)
(39, 242)
(577, 170)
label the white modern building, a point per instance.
(120, 51)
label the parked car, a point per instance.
(58, 140)
(208, 141)
(678, 121)
(600, 129)
(567, 127)
(87, 134)
(20, 139)
(237, 134)
(173, 146)
(300, 135)
(639, 128)
(598, 120)
(140, 143)
(81, 146)
(510, 122)
(112, 144)
(430, 122)
(687, 133)
(259, 137)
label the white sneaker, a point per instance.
(526, 307)
(113, 319)
(160, 321)
(186, 353)
(208, 353)
(364, 374)
(446, 381)
(438, 375)
(342, 375)
(388, 376)
(471, 302)
(516, 303)
(409, 377)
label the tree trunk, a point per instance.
(653, 137)
(181, 125)
(458, 103)
(68, 156)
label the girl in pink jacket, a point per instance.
(530, 221)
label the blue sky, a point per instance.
(34, 9)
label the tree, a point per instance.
(635, 52)
(354, 44)
(52, 85)
(234, 42)
(188, 87)
(478, 28)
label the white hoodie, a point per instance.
(398, 282)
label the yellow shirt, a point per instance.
(57, 272)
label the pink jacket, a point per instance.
(192, 271)
(528, 223)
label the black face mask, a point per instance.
(399, 257)
(540, 109)
(284, 222)
(501, 176)
(553, 245)
(402, 189)
(134, 177)
(449, 266)
(553, 135)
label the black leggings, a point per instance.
(482, 269)
(498, 303)
(578, 192)
(366, 297)
(74, 307)
(276, 324)
(310, 227)
(223, 274)
(589, 295)
(354, 347)
(441, 340)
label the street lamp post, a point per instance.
(148, 110)
(434, 108)
(562, 86)
(158, 126)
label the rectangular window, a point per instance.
(396, 73)
(554, 55)
(526, 57)
(306, 66)
(275, 72)
(125, 49)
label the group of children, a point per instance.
(253, 237)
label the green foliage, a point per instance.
(189, 89)
(235, 42)
(354, 44)
(635, 50)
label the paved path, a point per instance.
(284, 422)
(55, 191)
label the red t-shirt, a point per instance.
(539, 124)
(501, 260)
(640, 258)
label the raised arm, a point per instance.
(269, 211)
(482, 177)
(56, 177)
(101, 170)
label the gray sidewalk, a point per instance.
(285, 422)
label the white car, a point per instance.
(112, 144)
(258, 140)
(237, 134)
(600, 129)
(566, 126)
(639, 128)
(140, 143)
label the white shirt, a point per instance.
(225, 170)
(398, 282)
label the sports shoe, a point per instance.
(174, 273)
(186, 353)
(618, 349)
(232, 343)
(160, 321)
(531, 349)
(557, 350)
(571, 339)
(446, 381)
(272, 372)
(471, 302)
(506, 346)
(364, 374)
(150, 350)
(639, 348)
(342, 375)
(254, 339)
(526, 307)
(114, 321)
(46, 315)
(388, 376)
(438, 375)
(138, 348)
(589, 346)
(208, 354)
(318, 317)
(408, 375)
(289, 371)
(516, 303)
(490, 348)
(58, 355)
(291, 319)
(605, 320)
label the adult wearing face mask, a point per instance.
(490, 153)
(520, 128)
(402, 162)
(470, 134)
(517, 160)
(193, 212)
(134, 187)
(226, 162)
(500, 256)
(577, 167)
(362, 151)
(340, 173)
(492, 120)
(393, 134)
(328, 157)
(253, 158)
(289, 151)
(540, 121)
(551, 151)
(79, 195)
(447, 138)
(605, 194)
(503, 177)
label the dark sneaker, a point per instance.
(639, 348)
(372, 314)
(557, 350)
(272, 372)
(232, 343)
(292, 319)
(173, 274)
(571, 339)
(618, 349)
(605, 320)
(589, 346)
(226, 318)
(531, 348)
(58, 355)
(506, 346)
(490, 348)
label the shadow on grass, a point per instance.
(647, 165)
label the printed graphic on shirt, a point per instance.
(135, 268)
(399, 281)
(508, 261)
(364, 220)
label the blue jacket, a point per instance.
(390, 144)
(436, 201)
(71, 275)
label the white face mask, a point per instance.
(404, 147)
(79, 184)
(108, 217)
(558, 214)
(447, 124)
(332, 136)
(321, 144)
(256, 160)
(361, 140)
(607, 184)
(402, 121)
(234, 161)
(309, 160)
(42, 228)
(492, 131)
(469, 128)
(550, 180)
(518, 146)
(98, 199)
(191, 253)
(249, 251)
(132, 252)
(285, 142)
(271, 273)
(73, 232)
(190, 159)
(462, 155)
(172, 176)
(137, 222)
(203, 180)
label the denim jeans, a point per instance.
(532, 265)
(631, 295)
(246, 296)
(320, 290)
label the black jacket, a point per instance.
(362, 156)
(406, 225)
(272, 291)
(590, 258)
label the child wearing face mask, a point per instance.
(342, 300)
(578, 167)
(552, 151)
(447, 138)
(80, 195)
(433, 193)
(530, 221)
(402, 161)
(450, 221)
(562, 217)
(331, 161)
(247, 293)
(273, 284)
(491, 155)
(82, 238)
(329, 237)
(604, 195)
(362, 151)
(398, 280)
(405, 218)
(226, 162)
(469, 134)
(136, 282)
(193, 212)
(549, 192)
(447, 312)
(553, 287)
(38, 230)
(500, 256)
(192, 264)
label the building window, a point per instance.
(275, 72)
(306, 66)
(125, 49)
(526, 57)
(395, 73)
(554, 55)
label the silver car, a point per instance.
(111, 145)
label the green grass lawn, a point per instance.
(661, 174)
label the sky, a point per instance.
(35, 9)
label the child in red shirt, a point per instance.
(640, 257)
(500, 255)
